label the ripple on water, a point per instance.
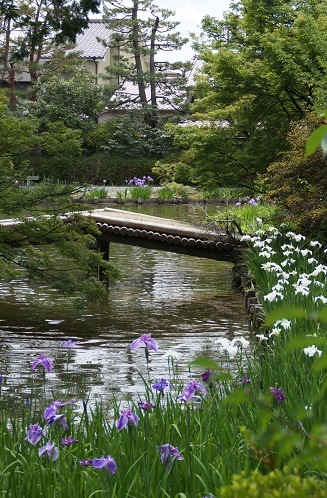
(186, 303)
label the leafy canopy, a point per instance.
(264, 66)
(46, 242)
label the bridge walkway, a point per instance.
(155, 232)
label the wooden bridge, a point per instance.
(153, 232)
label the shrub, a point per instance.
(276, 484)
(298, 185)
(95, 169)
(172, 172)
(178, 189)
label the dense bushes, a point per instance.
(298, 184)
(276, 484)
(96, 168)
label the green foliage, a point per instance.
(49, 246)
(172, 172)
(210, 162)
(31, 29)
(291, 287)
(100, 193)
(267, 70)
(276, 484)
(178, 189)
(248, 217)
(166, 194)
(94, 168)
(58, 141)
(223, 193)
(99, 136)
(140, 192)
(298, 184)
(318, 138)
(75, 101)
(25, 148)
(133, 137)
(18, 139)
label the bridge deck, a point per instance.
(130, 219)
(154, 232)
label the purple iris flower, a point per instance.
(51, 450)
(207, 375)
(59, 403)
(278, 394)
(70, 440)
(107, 462)
(126, 418)
(34, 434)
(244, 380)
(189, 392)
(52, 416)
(161, 385)
(168, 454)
(69, 343)
(145, 405)
(86, 462)
(145, 340)
(44, 361)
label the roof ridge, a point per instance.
(96, 21)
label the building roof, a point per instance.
(196, 70)
(89, 42)
(128, 97)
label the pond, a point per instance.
(185, 302)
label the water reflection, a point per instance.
(185, 302)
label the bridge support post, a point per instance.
(103, 247)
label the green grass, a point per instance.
(140, 192)
(250, 218)
(100, 193)
(166, 194)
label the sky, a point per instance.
(189, 13)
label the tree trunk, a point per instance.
(137, 55)
(152, 65)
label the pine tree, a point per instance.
(141, 31)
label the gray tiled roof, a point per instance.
(130, 92)
(196, 70)
(87, 42)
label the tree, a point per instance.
(31, 29)
(138, 40)
(75, 101)
(267, 70)
(57, 248)
(132, 137)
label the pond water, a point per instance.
(185, 302)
